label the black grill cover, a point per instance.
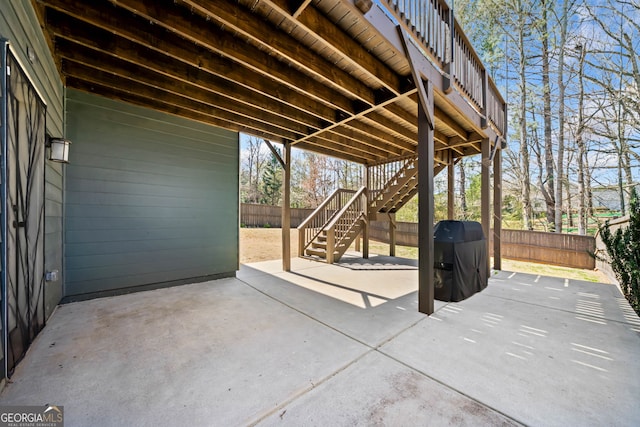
(460, 256)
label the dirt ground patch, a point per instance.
(264, 244)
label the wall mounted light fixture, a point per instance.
(58, 149)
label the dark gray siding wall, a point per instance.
(150, 198)
(19, 25)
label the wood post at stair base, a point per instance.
(365, 233)
(365, 239)
(392, 234)
(331, 244)
(286, 209)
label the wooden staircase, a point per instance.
(389, 194)
(329, 231)
(318, 247)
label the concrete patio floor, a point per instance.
(339, 345)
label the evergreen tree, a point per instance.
(272, 181)
(623, 247)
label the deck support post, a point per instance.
(426, 291)
(497, 209)
(426, 208)
(365, 233)
(286, 209)
(451, 186)
(485, 195)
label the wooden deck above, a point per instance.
(329, 76)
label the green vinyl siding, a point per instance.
(151, 198)
(19, 25)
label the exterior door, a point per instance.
(24, 133)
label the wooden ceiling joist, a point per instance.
(101, 78)
(174, 56)
(368, 140)
(160, 105)
(332, 38)
(211, 105)
(338, 150)
(228, 15)
(200, 32)
(284, 70)
(384, 124)
(381, 135)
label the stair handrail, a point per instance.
(346, 207)
(410, 161)
(313, 225)
(335, 235)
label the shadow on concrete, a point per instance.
(330, 345)
(377, 262)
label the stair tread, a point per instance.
(318, 252)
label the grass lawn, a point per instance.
(508, 265)
(262, 244)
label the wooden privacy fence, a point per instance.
(406, 232)
(253, 215)
(568, 250)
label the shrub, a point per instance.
(623, 247)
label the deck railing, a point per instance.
(430, 23)
(496, 108)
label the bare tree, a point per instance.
(318, 180)
(254, 158)
(527, 210)
(582, 154)
(563, 21)
(617, 65)
(547, 184)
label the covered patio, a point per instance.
(340, 344)
(394, 86)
